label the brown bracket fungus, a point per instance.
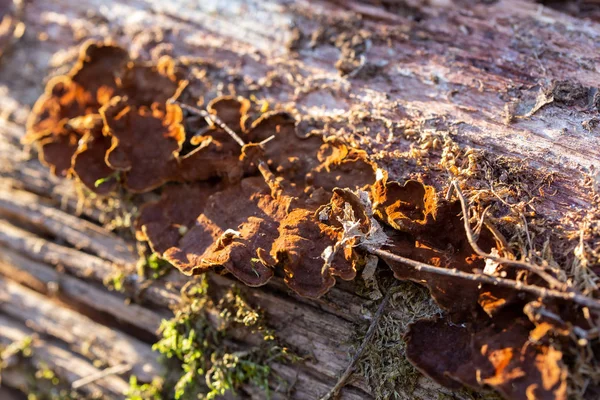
(145, 142)
(147, 84)
(308, 246)
(217, 154)
(95, 86)
(162, 223)
(405, 207)
(88, 163)
(262, 222)
(504, 358)
(89, 84)
(236, 226)
(430, 231)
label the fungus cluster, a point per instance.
(248, 193)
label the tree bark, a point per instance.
(387, 75)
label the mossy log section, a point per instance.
(473, 67)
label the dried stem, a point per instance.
(370, 332)
(538, 291)
(211, 118)
(578, 331)
(552, 281)
(114, 370)
(262, 165)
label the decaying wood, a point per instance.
(51, 353)
(473, 69)
(74, 329)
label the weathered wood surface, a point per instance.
(460, 67)
(54, 355)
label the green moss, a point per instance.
(21, 348)
(46, 385)
(116, 281)
(116, 175)
(146, 391)
(204, 364)
(153, 267)
(148, 269)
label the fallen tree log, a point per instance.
(415, 84)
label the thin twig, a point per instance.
(501, 260)
(262, 165)
(211, 118)
(115, 370)
(578, 331)
(538, 291)
(370, 332)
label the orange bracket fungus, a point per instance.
(248, 193)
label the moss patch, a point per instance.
(384, 364)
(202, 362)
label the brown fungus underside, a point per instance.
(249, 193)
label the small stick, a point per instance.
(262, 165)
(539, 291)
(211, 118)
(370, 332)
(501, 260)
(117, 369)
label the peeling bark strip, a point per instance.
(374, 74)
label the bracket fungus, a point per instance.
(247, 193)
(262, 222)
(88, 161)
(145, 142)
(502, 356)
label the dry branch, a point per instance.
(537, 291)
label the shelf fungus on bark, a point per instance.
(145, 142)
(88, 162)
(502, 354)
(104, 78)
(216, 154)
(406, 207)
(263, 222)
(430, 231)
(248, 193)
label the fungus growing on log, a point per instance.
(145, 142)
(501, 355)
(94, 86)
(88, 162)
(217, 154)
(407, 207)
(252, 195)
